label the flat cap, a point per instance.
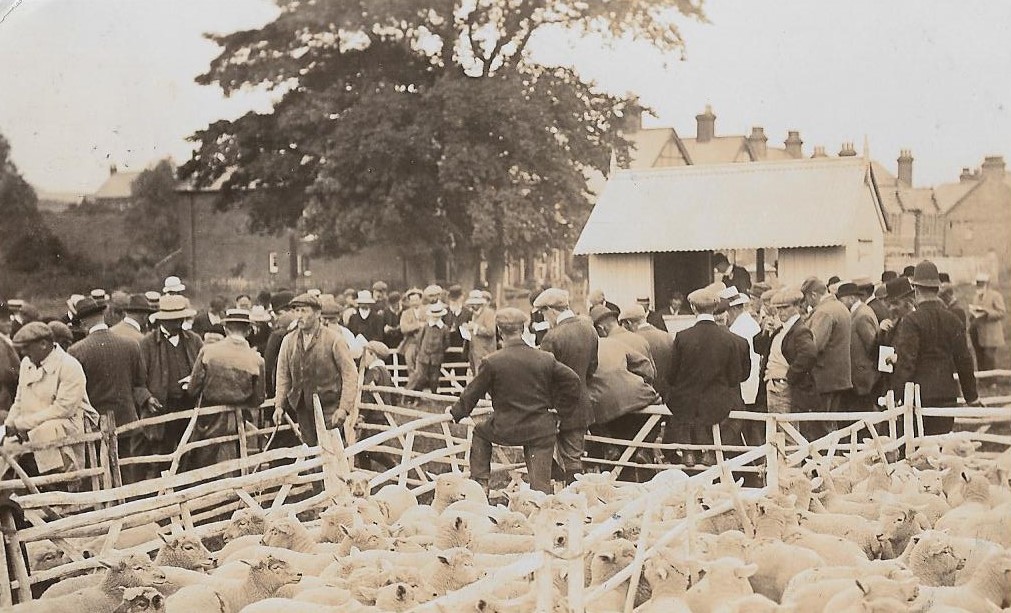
(89, 306)
(31, 332)
(307, 300)
(600, 312)
(553, 298)
(813, 284)
(788, 296)
(768, 294)
(757, 289)
(380, 286)
(510, 317)
(704, 298)
(281, 299)
(633, 312)
(379, 348)
(61, 333)
(433, 290)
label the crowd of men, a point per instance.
(553, 375)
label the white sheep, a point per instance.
(870, 589)
(451, 487)
(419, 520)
(99, 592)
(288, 605)
(357, 484)
(993, 525)
(725, 579)
(141, 600)
(287, 532)
(608, 558)
(852, 528)
(344, 512)
(754, 603)
(396, 500)
(264, 578)
(365, 537)
(127, 538)
(184, 551)
(244, 521)
(777, 562)
(987, 590)
(43, 555)
(512, 522)
(932, 559)
(453, 569)
(526, 501)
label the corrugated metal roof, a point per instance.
(799, 203)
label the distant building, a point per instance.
(977, 212)
(916, 225)
(116, 192)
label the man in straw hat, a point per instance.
(366, 321)
(51, 403)
(530, 391)
(169, 351)
(432, 344)
(708, 364)
(480, 329)
(228, 372)
(930, 348)
(988, 313)
(314, 360)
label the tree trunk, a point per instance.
(496, 271)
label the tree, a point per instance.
(153, 214)
(26, 242)
(422, 122)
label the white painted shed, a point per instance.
(655, 230)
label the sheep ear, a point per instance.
(459, 523)
(443, 559)
(863, 588)
(492, 519)
(743, 572)
(345, 530)
(246, 562)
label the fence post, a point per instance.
(112, 449)
(772, 455)
(240, 430)
(907, 418)
(331, 447)
(13, 545)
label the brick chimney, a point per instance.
(758, 141)
(819, 152)
(794, 146)
(847, 151)
(905, 162)
(993, 167)
(705, 129)
(967, 175)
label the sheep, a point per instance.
(450, 487)
(512, 522)
(287, 605)
(526, 501)
(725, 579)
(987, 590)
(799, 583)
(357, 483)
(855, 529)
(870, 589)
(993, 525)
(777, 523)
(289, 533)
(101, 592)
(454, 568)
(396, 499)
(419, 520)
(238, 544)
(127, 538)
(43, 555)
(899, 523)
(755, 603)
(453, 531)
(264, 578)
(398, 597)
(975, 500)
(607, 560)
(777, 562)
(669, 578)
(141, 600)
(245, 521)
(306, 563)
(970, 551)
(344, 512)
(932, 559)
(184, 551)
(365, 537)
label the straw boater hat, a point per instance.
(259, 314)
(152, 299)
(236, 316)
(173, 306)
(365, 297)
(437, 309)
(475, 297)
(99, 295)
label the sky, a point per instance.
(84, 85)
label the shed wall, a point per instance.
(797, 264)
(622, 276)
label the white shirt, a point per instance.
(438, 323)
(172, 339)
(131, 322)
(705, 317)
(566, 314)
(364, 313)
(777, 366)
(856, 305)
(214, 319)
(97, 327)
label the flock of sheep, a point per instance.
(930, 532)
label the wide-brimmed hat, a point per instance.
(89, 306)
(898, 287)
(925, 275)
(173, 306)
(437, 309)
(236, 316)
(73, 300)
(476, 297)
(173, 285)
(138, 303)
(365, 297)
(258, 314)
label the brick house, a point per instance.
(977, 212)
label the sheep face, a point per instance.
(526, 502)
(669, 573)
(282, 531)
(512, 522)
(133, 570)
(367, 537)
(900, 523)
(609, 558)
(396, 597)
(43, 555)
(449, 488)
(141, 599)
(358, 484)
(244, 521)
(272, 573)
(185, 551)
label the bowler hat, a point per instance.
(31, 332)
(925, 275)
(632, 312)
(552, 298)
(848, 289)
(173, 306)
(281, 299)
(259, 314)
(899, 287)
(888, 275)
(600, 312)
(138, 304)
(89, 306)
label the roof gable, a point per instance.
(950, 194)
(799, 203)
(118, 186)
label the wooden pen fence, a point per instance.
(416, 440)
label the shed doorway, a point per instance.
(679, 271)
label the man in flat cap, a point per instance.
(634, 318)
(988, 312)
(863, 348)
(114, 368)
(930, 348)
(708, 365)
(573, 340)
(653, 318)
(829, 321)
(51, 403)
(790, 355)
(530, 392)
(479, 326)
(314, 360)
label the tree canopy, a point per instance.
(422, 122)
(153, 212)
(26, 242)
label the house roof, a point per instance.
(918, 199)
(717, 150)
(950, 194)
(117, 186)
(799, 203)
(648, 143)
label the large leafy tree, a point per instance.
(153, 212)
(422, 123)
(26, 242)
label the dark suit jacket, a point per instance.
(661, 348)
(623, 382)
(830, 323)
(525, 384)
(930, 347)
(655, 319)
(708, 364)
(154, 348)
(880, 309)
(864, 350)
(573, 342)
(202, 325)
(739, 278)
(373, 328)
(801, 354)
(115, 375)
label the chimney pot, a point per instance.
(112, 169)
(967, 175)
(759, 141)
(993, 166)
(905, 167)
(847, 150)
(705, 123)
(794, 146)
(819, 152)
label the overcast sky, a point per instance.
(86, 84)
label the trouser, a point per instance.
(831, 402)
(410, 357)
(986, 358)
(859, 402)
(624, 427)
(537, 455)
(702, 434)
(938, 425)
(778, 396)
(306, 419)
(569, 447)
(425, 375)
(208, 427)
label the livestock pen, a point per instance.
(422, 443)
